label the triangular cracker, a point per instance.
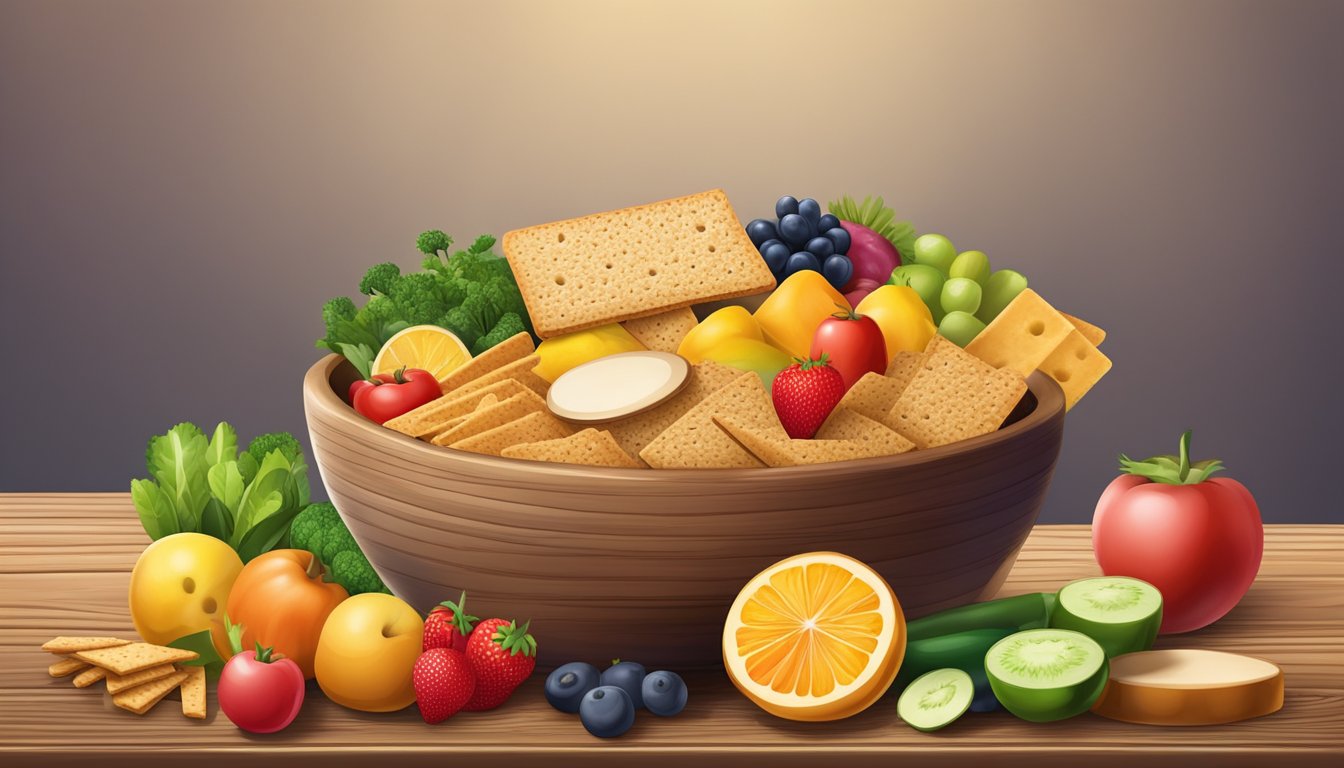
(590, 447)
(695, 442)
(142, 698)
(125, 659)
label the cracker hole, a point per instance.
(608, 265)
(559, 279)
(1036, 328)
(560, 238)
(699, 227)
(188, 585)
(712, 249)
(653, 272)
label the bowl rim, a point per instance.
(318, 391)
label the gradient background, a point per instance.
(182, 184)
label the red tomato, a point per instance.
(389, 395)
(1197, 539)
(853, 342)
(260, 693)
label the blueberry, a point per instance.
(827, 222)
(786, 205)
(820, 247)
(801, 261)
(775, 254)
(794, 230)
(664, 693)
(567, 685)
(607, 712)
(811, 210)
(628, 676)
(839, 237)
(760, 230)
(837, 270)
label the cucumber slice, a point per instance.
(959, 650)
(1120, 613)
(1043, 675)
(936, 699)
(1029, 611)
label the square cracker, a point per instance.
(66, 666)
(695, 442)
(496, 415)
(89, 677)
(852, 425)
(532, 428)
(872, 395)
(634, 262)
(635, 432)
(510, 350)
(65, 644)
(779, 450)
(1022, 336)
(193, 692)
(118, 683)
(662, 332)
(142, 698)
(589, 447)
(433, 416)
(954, 396)
(518, 370)
(1095, 334)
(1077, 365)
(125, 659)
(903, 366)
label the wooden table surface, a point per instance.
(65, 562)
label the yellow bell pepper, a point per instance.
(790, 316)
(906, 323)
(728, 323)
(560, 353)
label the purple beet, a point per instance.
(873, 255)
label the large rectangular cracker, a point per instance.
(634, 262)
(133, 657)
(662, 332)
(1022, 336)
(779, 450)
(846, 424)
(954, 396)
(69, 644)
(695, 442)
(66, 667)
(589, 447)
(903, 366)
(433, 417)
(496, 415)
(142, 698)
(532, 428)
(193, 692)
(519, 370)
(510, 350)
(118, 683)
(1076, 365)
(635, 432)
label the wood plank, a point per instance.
(65, 563)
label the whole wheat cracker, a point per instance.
(531, 428)
(903, 366)
(67, 666)
(118, 683)
(193, 692)
(852, 425)
(510, 350)
(68, 644)
(662, 332)
(589, 447)
(634, 262)
(694, 441)
(142, 698)
(89, 677)
(637, 431)
(872, 395)
(779, 450)
(433, 417)
(496, 415)
(954, 396)
(133, 657)
(519, 370)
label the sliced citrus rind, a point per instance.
(818, 636)
(428, 347)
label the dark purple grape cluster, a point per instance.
(803, 238)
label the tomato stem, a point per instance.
(1172, 470)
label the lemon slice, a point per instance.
(819, 636)
(427, 347)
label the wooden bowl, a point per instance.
(643, 564)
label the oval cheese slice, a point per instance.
(1190, 687)
(617, 386)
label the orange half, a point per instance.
(819, 636)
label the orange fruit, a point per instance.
(818, 636)
(428, 347)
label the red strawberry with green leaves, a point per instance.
(444, 682)
(805, 393)
(502, 654)
(448, 626)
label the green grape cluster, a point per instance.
(960, 290)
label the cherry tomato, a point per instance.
(854, 344)
(259, 692)
(388, 395)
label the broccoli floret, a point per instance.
(432, 242)
(379, 311)
(509, 325)
(286, 443)
(471, 319)
(320, 530)
(418, 298)
(380, 279)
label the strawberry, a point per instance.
(805, 393)
(448, 625)
(502, 655)
(443, 682)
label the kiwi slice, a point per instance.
(1043, 675)
(1120, 613)
(936, 699)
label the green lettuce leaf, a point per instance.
(156, 510)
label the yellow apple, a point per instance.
(367, 649)
(180, 586)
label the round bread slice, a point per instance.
(617, 386)
(1188, 686)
